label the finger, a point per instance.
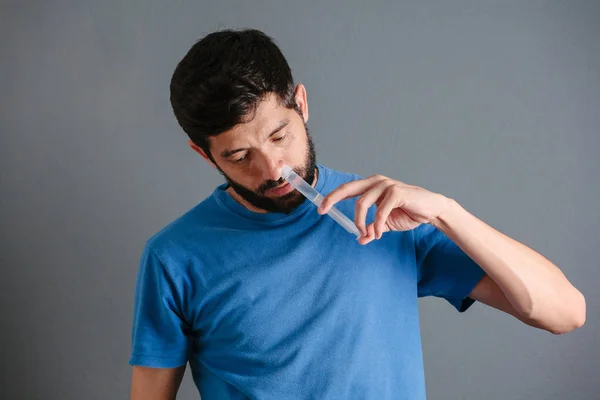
(369, 237)
(390, 201)
(365, 201)
(349, 189)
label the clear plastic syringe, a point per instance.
(316, 198)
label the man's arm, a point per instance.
(519, 280)
(156, 383)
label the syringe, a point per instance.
(316, 198)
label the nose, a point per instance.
(271, 168)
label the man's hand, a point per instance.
(400, 206)
(525, 283)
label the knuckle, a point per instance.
(385, 182)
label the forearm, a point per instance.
(535, 287)
(156, 383)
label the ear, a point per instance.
(199, 150)
(300, 96)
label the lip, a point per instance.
(282, 189)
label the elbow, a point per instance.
(571, 317)
(576, 317)
(581, 310)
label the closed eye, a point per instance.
(279, 138)
(276, 139)
(239, 160)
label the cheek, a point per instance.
(247, 180)
(298, 150)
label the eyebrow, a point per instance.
(282, 124)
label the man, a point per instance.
(265, 297)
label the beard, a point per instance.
(283, 204)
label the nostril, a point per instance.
(279, 166)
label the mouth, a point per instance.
(281, 190)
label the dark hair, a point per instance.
(222, 78)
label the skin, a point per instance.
(252, 154)
(518, 281)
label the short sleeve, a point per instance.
(159, 333)
(443, 269)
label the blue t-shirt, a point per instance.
(275, 306)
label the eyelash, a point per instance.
(241, 159)
(280, 138)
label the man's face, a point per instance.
(250, 156)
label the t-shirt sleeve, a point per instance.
(443, 269)
(159, 334)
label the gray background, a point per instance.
(495, 104)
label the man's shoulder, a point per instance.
(188, 226)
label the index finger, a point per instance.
(347, 190)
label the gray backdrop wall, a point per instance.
(495, 104)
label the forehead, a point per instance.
(267, 116)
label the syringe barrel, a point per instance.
(316, 198)
(301, 185)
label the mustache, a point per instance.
(270, 184)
